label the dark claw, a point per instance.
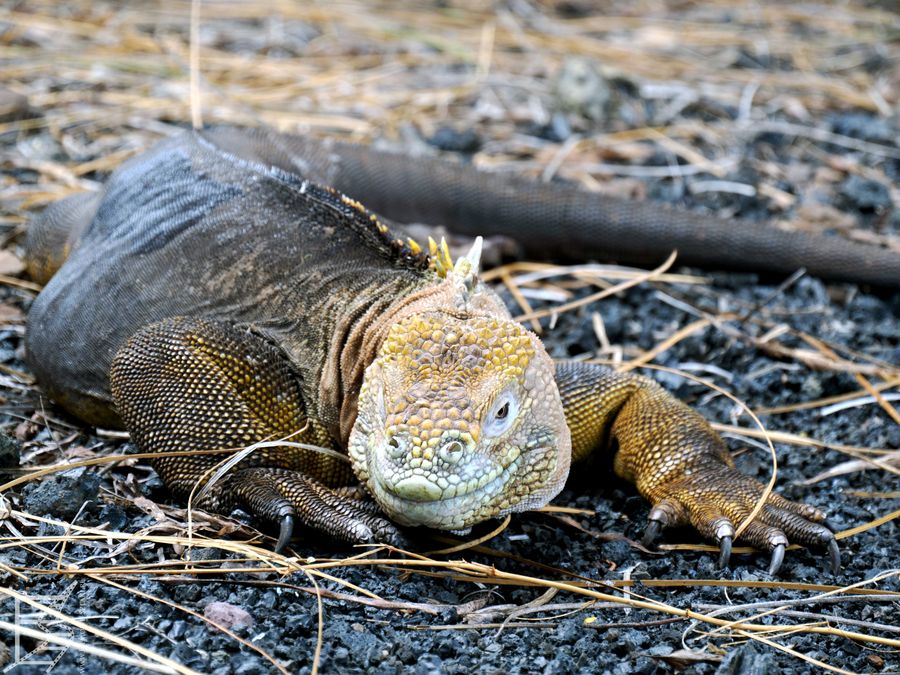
(287, 530)
(834, 554)
(777, 559)
(654, 527)
(724, 552)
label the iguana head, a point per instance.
(459, 419)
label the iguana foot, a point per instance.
(680, 464)
(716, 501)
(285, 497)
(188, 386)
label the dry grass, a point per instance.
(253, 559)
(109, 80)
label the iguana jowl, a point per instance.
(215, 295)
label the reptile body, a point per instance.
(216, 295)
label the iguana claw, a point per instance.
(777, 559)
(287, 531)
(654, 527)
(834, 555)
(724, 551)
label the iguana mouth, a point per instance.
(492, 497)
(418, 501)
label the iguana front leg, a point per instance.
(195, 385)
(679, 463)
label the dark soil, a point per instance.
(460, 632)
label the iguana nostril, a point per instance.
(451, 452)
(396, 447)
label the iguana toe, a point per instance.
(715, 503)
(287, 497)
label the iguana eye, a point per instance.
(501, 415)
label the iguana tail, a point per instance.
(553, 220)
(562, 221)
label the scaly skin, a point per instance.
(259, 306)
(459, 421)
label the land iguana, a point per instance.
(221, 290)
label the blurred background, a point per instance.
(760, 109)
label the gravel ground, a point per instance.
(572, 637)
(460, 630)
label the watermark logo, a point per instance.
(39, 639)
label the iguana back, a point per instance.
(197, 229)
